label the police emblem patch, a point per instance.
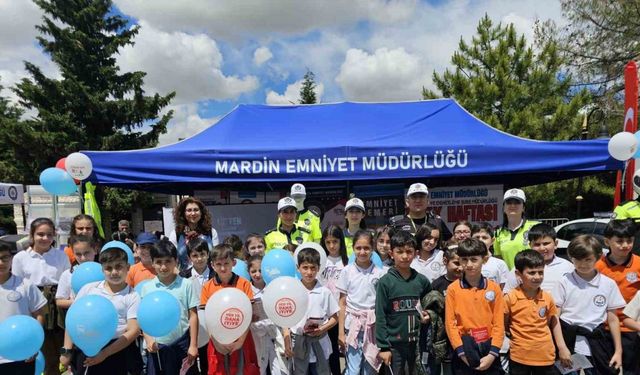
(525, 238)
(600, 300)
(299, 240)
(307, 222)
(490, 295)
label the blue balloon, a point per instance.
(57, 181)
(39, 364)
(158, 313)
(375, 259)
(138, 288)
(120, 245)
(276, 263)
(241, 269)
(84, 274)
(22, 336)
(91, 322)
(637, 154)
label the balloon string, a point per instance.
(86, 370)
(159, 362)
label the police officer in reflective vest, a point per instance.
(417, 202)
(287, 235)
(631, 210)
(306, 218)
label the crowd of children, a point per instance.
(433, 307)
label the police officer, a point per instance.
(513, 236)
(306, 218)
(417, 202)
(631, 210)
(287, 235)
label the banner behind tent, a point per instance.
(11, 194)
(472, 203)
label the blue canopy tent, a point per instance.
(435, 141)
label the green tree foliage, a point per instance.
(307, 90)
(92, 105)
(9, 119)
(501, 79)
(525, 91)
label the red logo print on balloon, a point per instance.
(285, 307)
(231, 318)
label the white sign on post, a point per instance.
(11, 193)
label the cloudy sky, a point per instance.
(217, 53)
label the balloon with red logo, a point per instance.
(228, 314)
(285, 301)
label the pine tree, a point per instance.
(92, 106)
(501, 80)
(9, 120)
(505, 82)
(307, 90)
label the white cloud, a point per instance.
(292, 94)
(185, 123)
(237, 19)
(385, 75)
(262, 55)
(189, 64)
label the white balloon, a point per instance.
(285, 301)
(318, 248)
(78, 165)
(623, 146)
(228, 315)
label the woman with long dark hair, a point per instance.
(192, 219)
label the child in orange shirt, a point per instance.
(239, 357)
(474, 317)
(531, 316)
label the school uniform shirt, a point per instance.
(531, 339)
(125, 301)
(625, 275)
(321, 305)
(586, 303)
(397, 319)
(432, 267)
(331, 274)
(509, 242)
(19, 296)
(138, 273)
(198, 280)
(359, 285)
(41, 270)
(64, 290)
(495, 270)
(475, 311)
(184, 292)
(553, 273)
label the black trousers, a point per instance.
(460, 368)
(516, 368)
(403, 358)
(334, 358)
(119, 363)
(18, 368)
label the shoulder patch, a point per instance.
(314, 211)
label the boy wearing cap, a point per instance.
(31, 302)
(142, 270)
(417, 203)
(121, 355)
(511, 237)
(287, 235)
(354, 214)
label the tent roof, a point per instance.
(434, 140)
